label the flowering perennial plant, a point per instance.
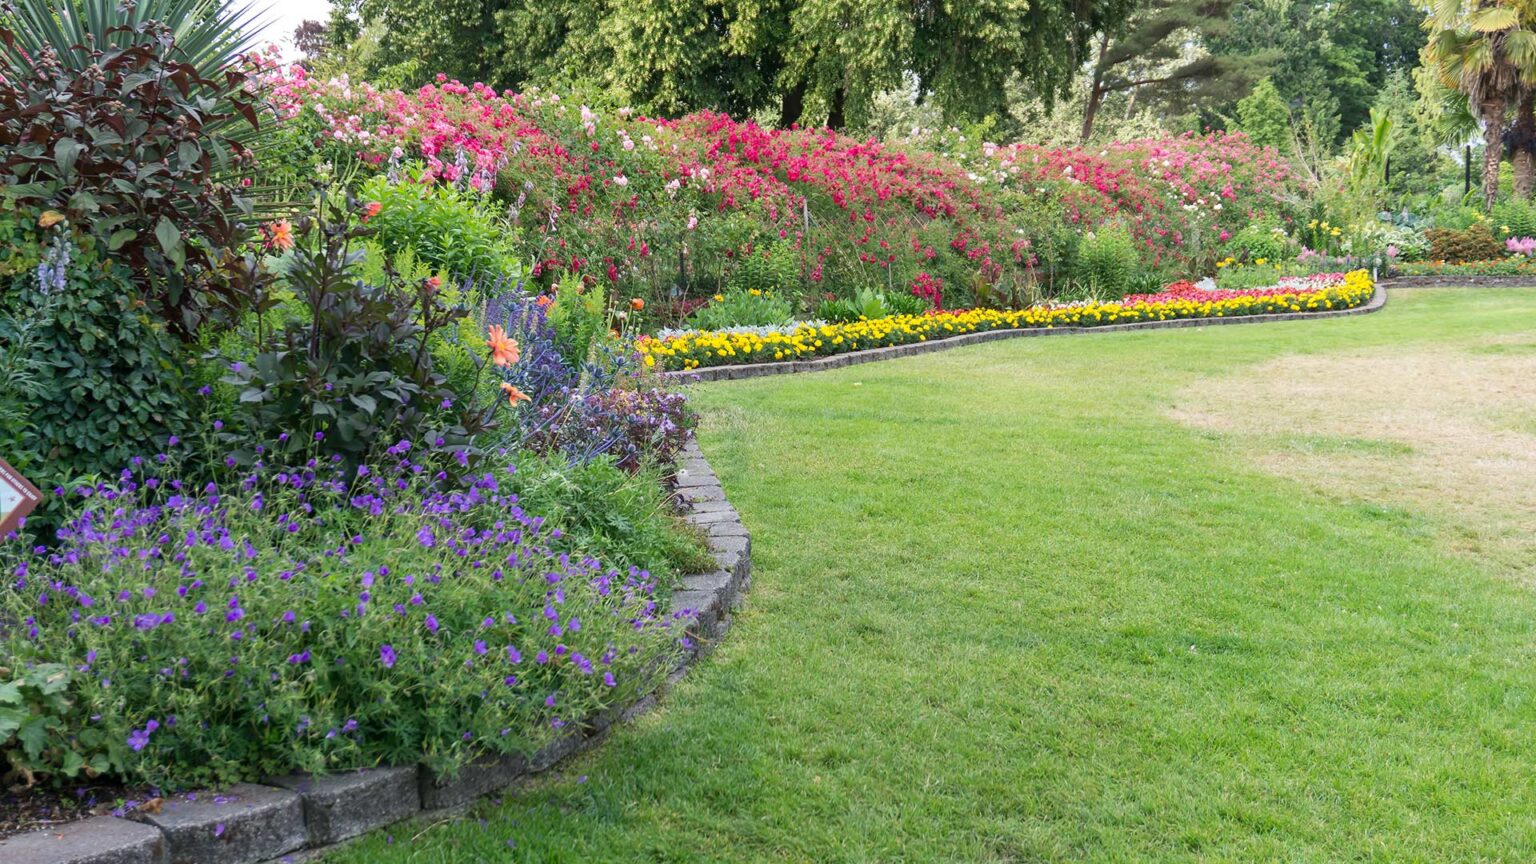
(321, 618)
(1179, 196)
(699, 349)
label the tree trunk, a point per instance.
(835, 116)
(1095, 99)
(1493, 143)
(793, 107)
(1096, 91)
(1524, 158)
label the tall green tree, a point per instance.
(1157, 53)
(1264, 116)
(1484, 49)
(1332, 57)
(812, 60)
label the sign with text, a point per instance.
(17, 499)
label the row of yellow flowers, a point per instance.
(696, 349)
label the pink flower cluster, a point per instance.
(625, 181)
(1176, 194)
(1185, 290)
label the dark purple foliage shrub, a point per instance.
(632, 427)
(320, 618)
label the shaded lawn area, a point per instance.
(1008, 608)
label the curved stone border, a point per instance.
(871, 355)
(297, 815)
(1459, 282)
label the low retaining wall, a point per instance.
(871, 355)
(286, 816)
(1459, 282)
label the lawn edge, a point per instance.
(871, 355)
(305, 816)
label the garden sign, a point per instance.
(17, 498)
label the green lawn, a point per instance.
(1007, 609)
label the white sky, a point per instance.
(284, 16)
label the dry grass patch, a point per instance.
(1449, 432)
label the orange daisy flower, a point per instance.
(514, 395)
(636, 304)
(504, 351)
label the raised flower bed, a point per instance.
(692, 351)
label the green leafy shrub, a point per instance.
(774, 268)
(1242, 278)
(579, 316)
(339, 618)
(742, 308)
(138, 132)
(610, 514)
(353, 365)
(447, 228)
(1475, 243)
(1107, 260)
(42, 731)
(1514, 217)
(870, 304)
(105, 377)
(1263, 240)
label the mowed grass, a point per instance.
(1006, 608)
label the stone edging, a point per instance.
(1451, 281)
(871, 355)
(299, 815)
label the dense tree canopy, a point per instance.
(1331, 58)
(809, 60)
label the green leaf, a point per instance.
(170, 241)
(33, 736)
(11, 720)
(65, 153)
(118, 238)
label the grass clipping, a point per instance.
(1450, 433)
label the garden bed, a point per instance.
(1377, 299)
(259, 822)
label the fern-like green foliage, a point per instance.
(446, 229)
(580, 318)
(1107, 261)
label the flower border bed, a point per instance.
(283, 816)
(871, 355)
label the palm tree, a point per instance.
(1483, 49)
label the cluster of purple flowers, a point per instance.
(318, 617)
(541, 373)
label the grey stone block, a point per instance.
(706, 607)
(728, 561)
(245, 824)
(724, 515)
(692, 479)
(727, 529)
(715, 506)
(702, 493)
(102, 840)
(479, 777)
(552, 753)
(338, 806)
(715, 582)
(739, 543)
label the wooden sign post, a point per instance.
(17, 499)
